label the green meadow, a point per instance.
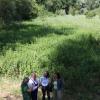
(68, 44)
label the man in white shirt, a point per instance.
(33, 84)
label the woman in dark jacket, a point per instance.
(25, 89)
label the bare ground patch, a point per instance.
(10, 89)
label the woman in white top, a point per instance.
(45, 81)
(33, 84)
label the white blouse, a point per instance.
(33, 84)
(44, 81)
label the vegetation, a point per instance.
(34, 38)
(65, 44)
(95, 12)
(15, 10)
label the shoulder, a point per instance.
(30, 81)
(42, 78)
(60, 80)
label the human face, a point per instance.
(26, 80)
(34, 75)
(45, 74)
(55, 76)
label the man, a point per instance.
(33, 84)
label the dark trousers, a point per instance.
(34, 94)
(45, 90)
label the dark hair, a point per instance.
(48, 75)
(25, 78)
(58, 75)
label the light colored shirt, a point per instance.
(33, 84)
(55, 85)
(44, 81)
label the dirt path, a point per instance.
(7, 96)
(9, 89)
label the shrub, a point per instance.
(25, 9)
(15, 10)
(78, 61)
(7, 10)
(72, 11)
(90, 14)
(42, 11)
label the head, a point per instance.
(25, 80)
(54, 76)
(57, 75)
(46, 74)
(33, 75)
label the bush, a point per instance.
(90, 14)
(72, 11)
(53, 5)
(25, 9)
(78, 62)
(15, 10)
(7, 10)
(42, 11)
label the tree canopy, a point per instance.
(18, 10)
(15, 10)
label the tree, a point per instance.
(66, 4)
(40, 1)
(25, 9)
(15, 10)
(7, 10)
(89, 4)
(54, 5)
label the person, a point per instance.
(45, 82)
(25, 89)
(33, 84)
(57, 86)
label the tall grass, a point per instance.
(26, 47)
(67, 44)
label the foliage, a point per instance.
(53, 5)
(26, 9)
(56, 5)
(14, 10)
(62, 43)
(72, 11)
(7, 10)
(90, 14)
(96, 11)
(43, 12)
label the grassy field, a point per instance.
(69, 44)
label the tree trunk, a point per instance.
(67, 9)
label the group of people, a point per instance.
(47, 84)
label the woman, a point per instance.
(33, 84)
(25, 89)
(58, 84)
(45, 82)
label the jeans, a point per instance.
(57, 95)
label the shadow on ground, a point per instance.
(27, 33)
(79, 63)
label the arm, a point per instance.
(29, 84)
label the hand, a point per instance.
(29, 90)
